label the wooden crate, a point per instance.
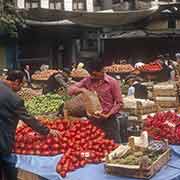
(165, 92)
(140, 110)
(163, 89)
(168, 104)
(25, 175)
(178, 87)
(136, 171)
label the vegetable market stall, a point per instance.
(36, 161)
(39, 165)
(119, 69)
(150, 71)
(39, 78)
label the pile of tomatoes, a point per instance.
(164, 125)
(151, 67)
(80, 143)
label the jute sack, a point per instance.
(92, 103)
(83, 104)
(75, 106)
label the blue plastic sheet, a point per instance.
(46, 167)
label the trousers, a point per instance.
(114, 127)
(7, 169)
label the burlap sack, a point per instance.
(83, 104)
(75, 106)
(92, 102)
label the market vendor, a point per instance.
(165, 73)
(109, 93)
(79, 71)
(56, 81)
(12, 110)
(136, 89)
(28, 75)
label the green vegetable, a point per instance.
(48, 103)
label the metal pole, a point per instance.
(1, 7)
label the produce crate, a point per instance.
(165, 92)
(178, 87)
(24, 175)
(142, 110)
(167, 88)
(167, 103)
(137, 172)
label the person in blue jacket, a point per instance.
(12, 110)
(136, 89)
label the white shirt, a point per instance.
(131, 90)
(28, 75)
(138, 64)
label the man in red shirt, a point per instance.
(109, 93)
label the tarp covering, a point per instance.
(46, 167)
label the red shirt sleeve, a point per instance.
(75, 89)
(117, 95)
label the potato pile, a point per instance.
(28, 93)
(119, 68)
(43, 75)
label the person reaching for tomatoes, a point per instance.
(109, 93)
(12, 110)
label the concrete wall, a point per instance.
(107, 4)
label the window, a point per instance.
(171, 22)
(115, 1)
(32, 4)
(79, 5)
(56, 4)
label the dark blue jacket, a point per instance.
(11, 111)
(141, 91)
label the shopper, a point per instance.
(27, 75)
(109, 93)
(139, 64)
(12, 110)
(136, 89)
(165, 73)
(56, 81)
(171, 64)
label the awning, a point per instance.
(49, 23)
(104, 19)
(140, 34)
(124, 34)
(95, 19)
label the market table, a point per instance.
(46, 167)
